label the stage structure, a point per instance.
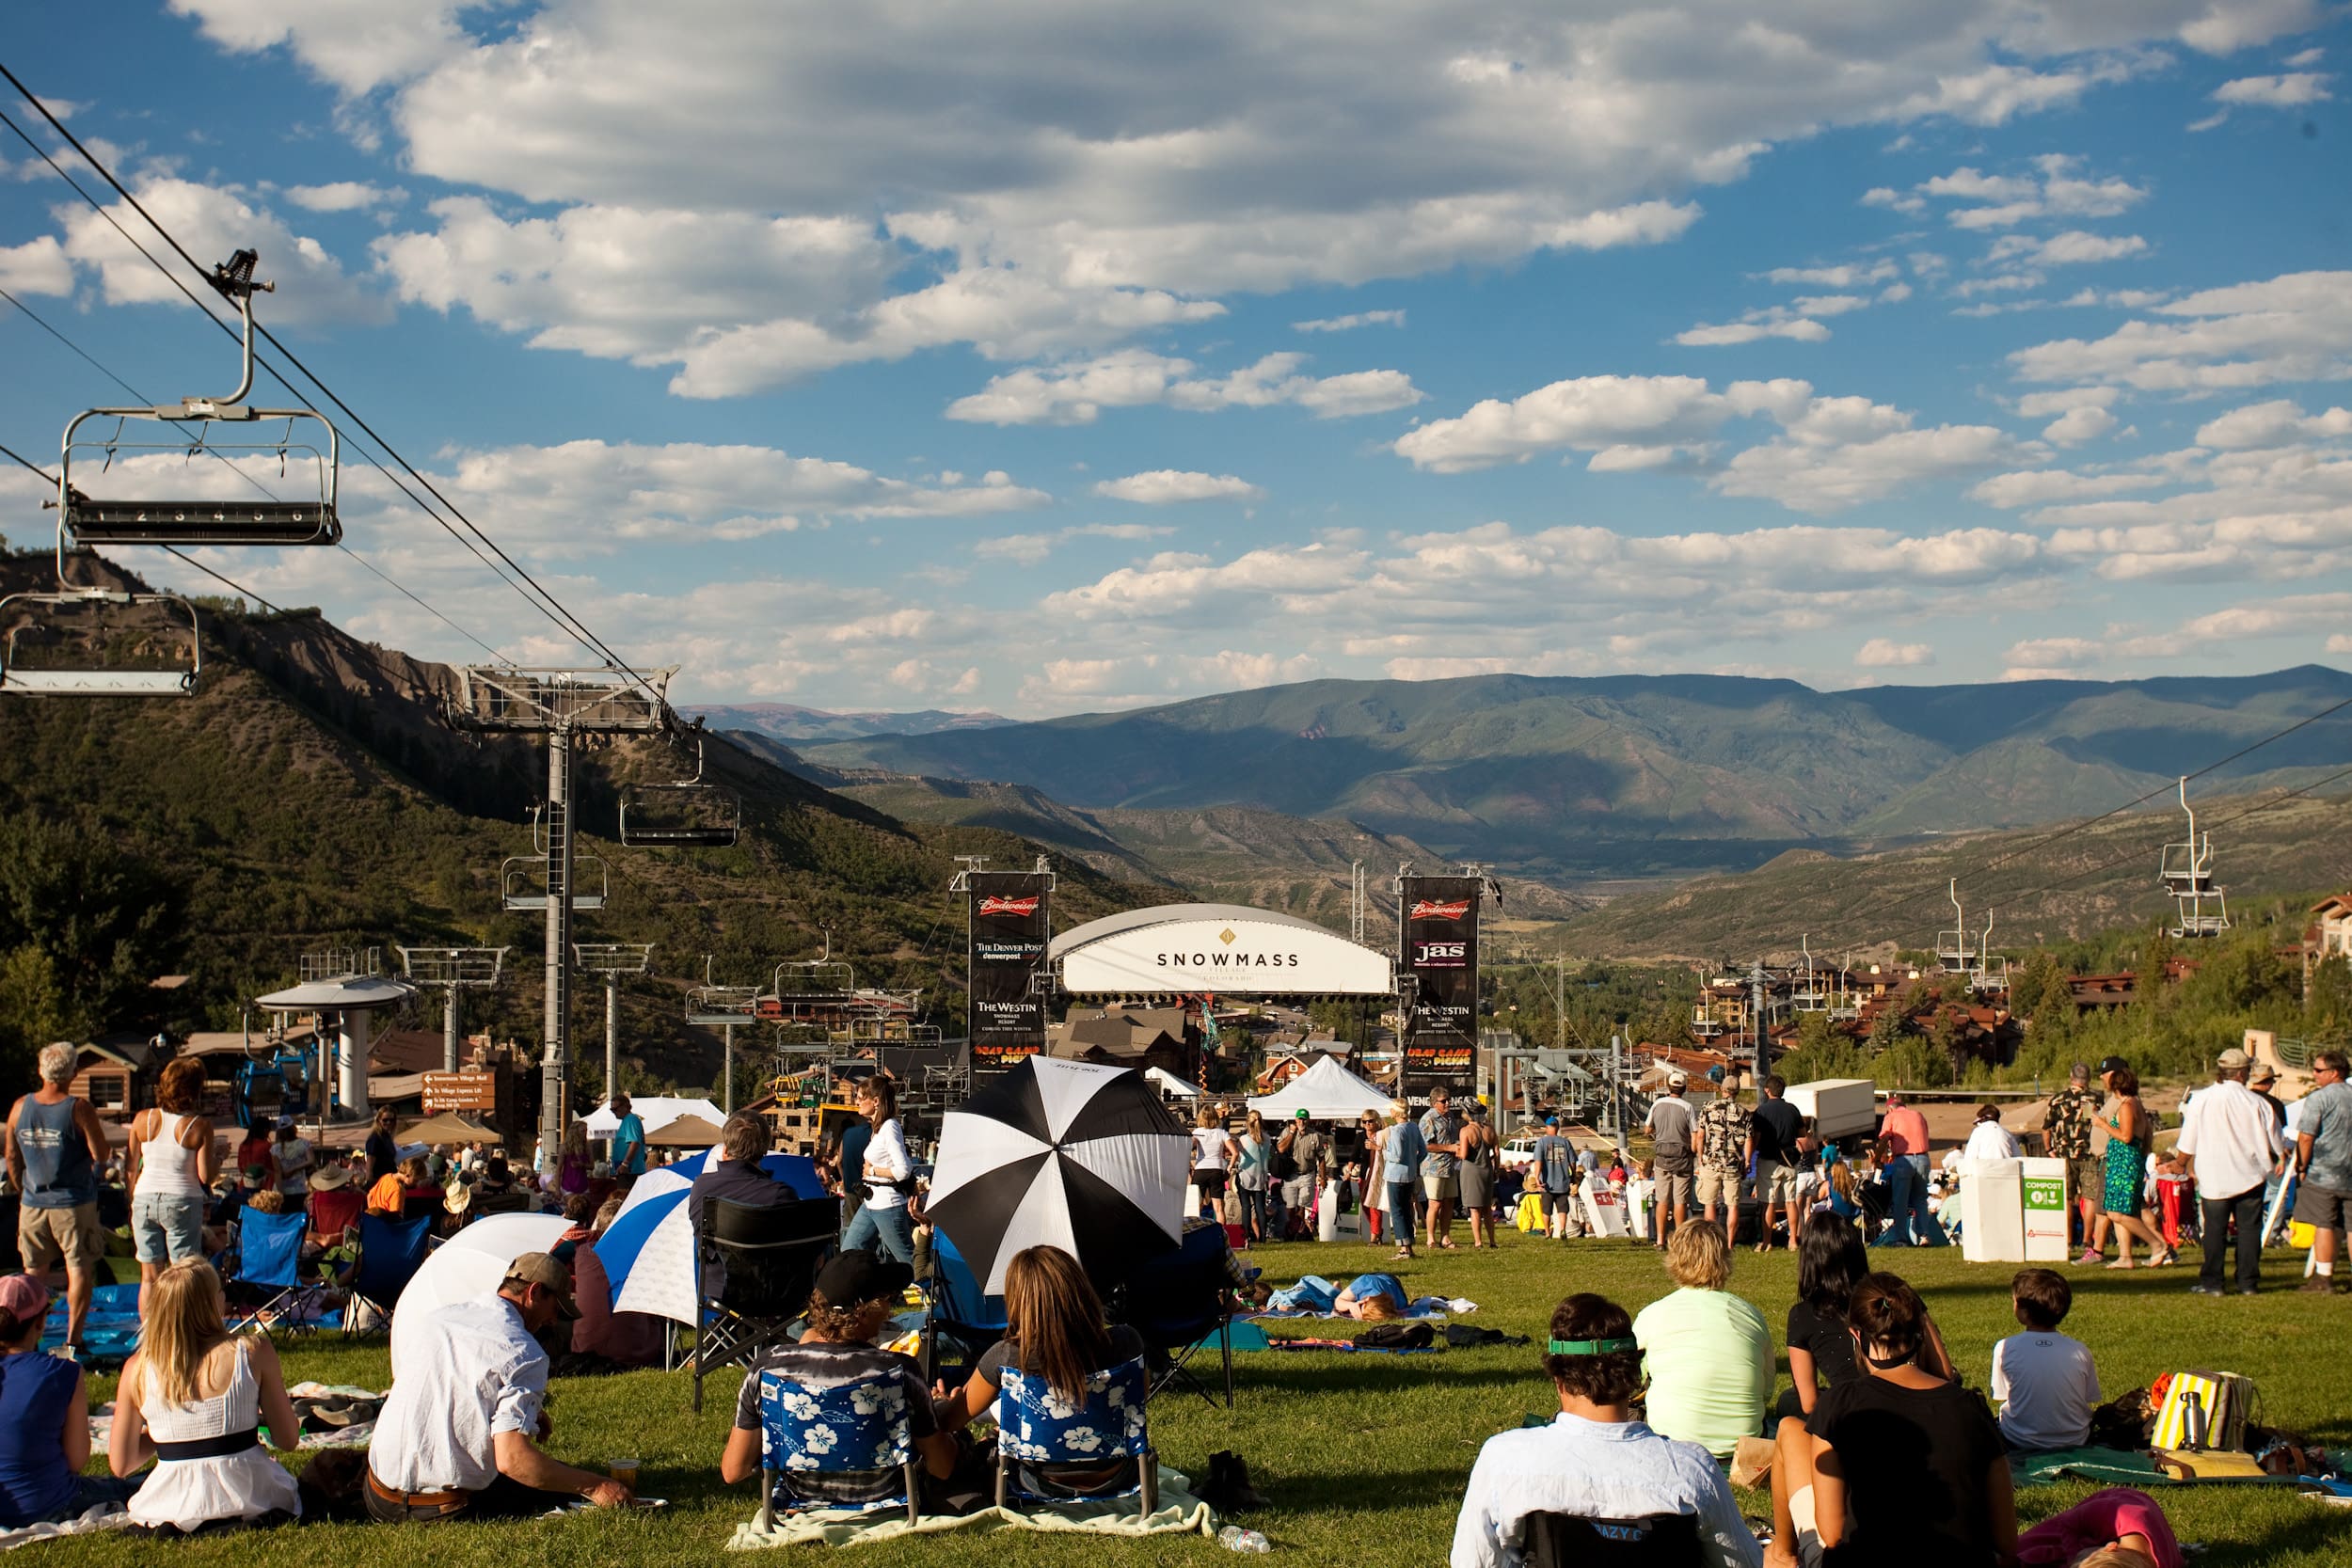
(1008, 931)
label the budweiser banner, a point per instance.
(1439, 928)
(1011, 920)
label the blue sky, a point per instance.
(955, 358)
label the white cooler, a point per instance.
(1993, 1211)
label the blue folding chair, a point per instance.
(1037, 1426)
(857, 1427)
(268, 1260)
(957, 1307)
(1177, 1302)
(391, 1253)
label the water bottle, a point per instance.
(1236, 1538)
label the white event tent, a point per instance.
(1326, 1091)
(655, 1111)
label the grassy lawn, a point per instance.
(1371, 1453)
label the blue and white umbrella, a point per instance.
(648, 1252)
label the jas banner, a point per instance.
(1440, 960)
(1011, 921)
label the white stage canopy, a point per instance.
(1326, 1091)
(655, 1111)
(1223, 949)
(1168, 1082)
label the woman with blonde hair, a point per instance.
(577, 1162)
(1402, 1148)
(1212, 1153)
(172, 1167)
(193, 1398)
(1708, 1352)
(1054, 1331)
(1253, 1177)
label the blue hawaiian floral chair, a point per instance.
(857, 1427)
(1037, 1426)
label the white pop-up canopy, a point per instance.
(655, 1111)
(1326, 1091)
(1168, 1082)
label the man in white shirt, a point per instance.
(460, 1431)
(1595, 1462)
(2230, 1139)
(1673, 1127)
(1989, 1140)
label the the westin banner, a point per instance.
(1011, 920)
(1440, 963)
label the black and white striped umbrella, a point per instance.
(1066, 1154)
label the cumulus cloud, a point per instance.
(344, 195)
(1028, 550)
(1349, 322)
(2297, 326)
(2294, 90)
(37, 266)
(1882, 653)
(1169, 486)
(2276, 424)
(2051, 185)
(217, 220)
(1076, 393)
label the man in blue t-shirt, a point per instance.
(1557, 1178)
(628, 1140)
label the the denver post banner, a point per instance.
(1011, 919)
(1440, 956)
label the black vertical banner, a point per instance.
(1439, 926)
(1011, 914)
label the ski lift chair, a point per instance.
(686, 814)
(1034, 1428)
(197, 426)
(391, 1253)
(268, 1263)
(1177, 1302)
(99, 642)
(1572, 1541)
(767, 1260)
(523, 882)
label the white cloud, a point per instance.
(215, 221)
(2297, 326)
(1584, 414)
(344, 195)
(1349, 322)
(2078, 425)
(2291, 91)
(1168, 486)
(39, 266)
(1844, 274)
(1882, 653)
(2042, 486)
(1828, 470)
(2055, 188)
(1130, 378)
(1030, 548)
(2273, 424)
(1797, 328)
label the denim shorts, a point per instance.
(167, 1227)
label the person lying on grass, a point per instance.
(853, 1298)
(1053, 1329)
(1904, 1467)
(1371, 1298)
(1596, 1460)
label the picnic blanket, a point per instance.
(1427, 1307)
(104, 1516)
(1180, 1513)
(2116, 1468)
(1354, 1349)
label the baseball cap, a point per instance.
(858, 1276)
(1301, 1112)
(24, 1298)
(541, 1269)
(2112, 1064)
(1551, 1121)
(1678, 1079)
(2232, 1059)
(285, 1124)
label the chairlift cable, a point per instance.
(553, 608)
(264, 489)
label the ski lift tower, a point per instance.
(2186, 871)
(613, 959)
(564, 706)
(454, 970)
(347, 982)
(710, 1005)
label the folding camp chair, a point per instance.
(865, 1431)
(1652, 1540)
(391, 1253)
(1034, 1426)
(1177, 1301)
(763, 1262)
(956, 1307)
(268, 1261)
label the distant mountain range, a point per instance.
(787, 722)
(1637, 776)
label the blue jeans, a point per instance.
(1907, 1206)
(1257, 1215)
(1401, 1197)
(885, 1230)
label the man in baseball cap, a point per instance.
(2231, 1144)
(459, 1435)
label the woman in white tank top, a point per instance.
(172, 1154)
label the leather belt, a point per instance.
(417, 1499)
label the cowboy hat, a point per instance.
(327, 1181)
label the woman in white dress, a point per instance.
(193, 1399)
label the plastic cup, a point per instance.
(624, 1471)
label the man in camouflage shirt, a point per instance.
(2066, 1135)
(1723, 1139)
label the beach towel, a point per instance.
(1350, 1347)
(1180, 1513)
(105, 1516)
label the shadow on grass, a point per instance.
(1293, 1373)
(2319, 1537)
(1369, 1492)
